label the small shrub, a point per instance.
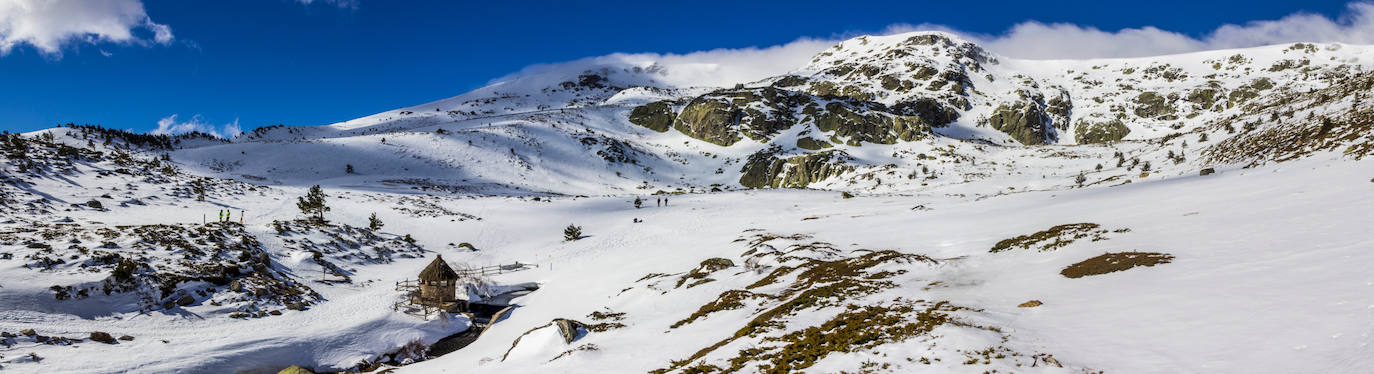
(125, 270)
(373, 222)
(572, 233)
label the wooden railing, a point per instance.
(496, 269)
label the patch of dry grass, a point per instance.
(1114, 262)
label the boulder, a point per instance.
(126, 338)
(764, 169)
(28, 332)
(568, 328)
(1030, 304)
(1086, 132)
(1153, 105)
(103, 337)
(657, 116)
(1210, 171)
(185, 300)
(1026, 122)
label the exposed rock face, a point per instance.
(854, 123)
(657, 116)
(1060, 108)
(929, 110)
(721, 117)
(765, 169)
(1205, 97)
(1025, 121)
(812, 144)
(1152, 105)
(1086, 132)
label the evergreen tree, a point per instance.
(312, 204)
(572, 233)
(198, 187)
(373, 222)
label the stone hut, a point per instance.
(438, 284)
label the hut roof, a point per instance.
(438, 270)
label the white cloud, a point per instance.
(169, 126)
(48, 25)
(349, 4)
(717, 67)
(1037, 40)
(1029, 40)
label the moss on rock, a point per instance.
(722, 117)
(1086, 132)
(1025, 121)
(1150, 104)
(812, 144)
(657, 116)
(764, 169)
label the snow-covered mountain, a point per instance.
(900, 203)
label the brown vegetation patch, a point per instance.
(1114, 262)
(1053, 238)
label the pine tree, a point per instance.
(373, 222)
(312, 204)
(572, 233)
(198, 187)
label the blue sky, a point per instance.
(264, 62)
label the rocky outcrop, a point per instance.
(1155, 106)
(657, 116)
(1086, 132)
(765, 169)
(1025, 121)
(852, 126)
(722, 117)
(812, 144)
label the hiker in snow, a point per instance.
(665, 201)
(658, 201)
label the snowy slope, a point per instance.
(888, 207)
